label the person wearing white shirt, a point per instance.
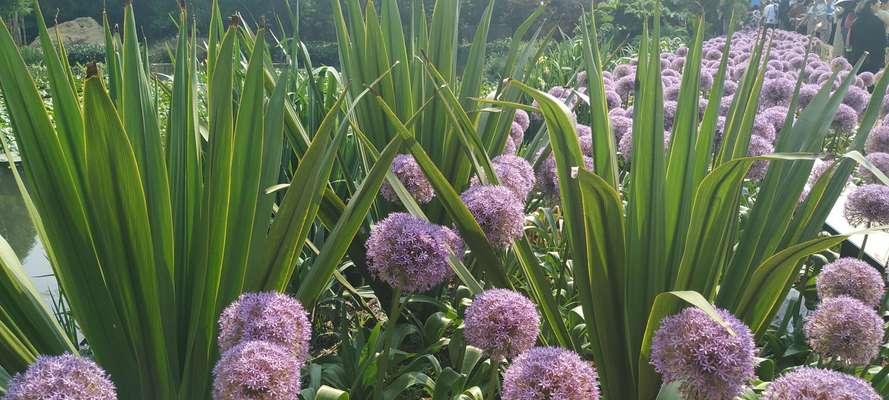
(770, 15)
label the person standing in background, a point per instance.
(770, 15)
(784, 14)
(868, 35)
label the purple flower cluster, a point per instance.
(868, 204)
(846, 329)
(711, 362)
(272, 317)
(880, 161)
(851, 277)
(64, 377)
(409, 253)
(257, 370)
(498, 211)
(878, 140)
(264, 341)
(549, 373)
(501, 322)
(817, 384)
(412, 177)
(513, 172)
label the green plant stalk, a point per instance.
(391, 324)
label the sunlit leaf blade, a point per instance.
(125, 243)
(23, 313)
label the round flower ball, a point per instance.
(65, 377)
(514, 172)
(857, 98)
(710, 362)
(272, 317)
(409, 253)
(550, 373)
(868, 204)
(845, 120)
(759, 146)
(498, 211)
(516, 133)
(880, 161)
(851, 277)
(501, 322)
(845, 328)
(878, 140)
(256, 370)
(817, 384)
(412, 177)
(521, 117)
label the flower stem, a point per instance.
(493, 381)
(391, 324)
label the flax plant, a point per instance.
(151, 230)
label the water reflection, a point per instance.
(16, 228)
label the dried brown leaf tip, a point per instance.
(234, 20)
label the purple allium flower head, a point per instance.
(670, 72)
(670, 108)
(521, 117)
(677, 63)
(777, 91)
(513, 172)
(564, 94)
(819, 169)
(807, 92)
(725, 105)
(845, 119)
(516, 133)
(550, 373)
(814, 383)
(64, 377)
(548, 176)
(868, 204)
(776, 115)
(621, 112)
(256, 370)
(682, 51)
(412, 177)
(773, 74)
(729, 88)
(671, 93)
(878, 140)
(712, 54)
(410, 253)
(880, 161)
(501, 322)
(623, 70)
(868, 78)
(711, 362)
(764, 128)
(845, 328)
(612, 99)
(625, 86)
(620, 126)
(509, 148)
(856, 98)
(271, 317)
(851, 277)
(706, 79)
(498, 211)
(840, 64)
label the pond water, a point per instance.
(17, 229)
